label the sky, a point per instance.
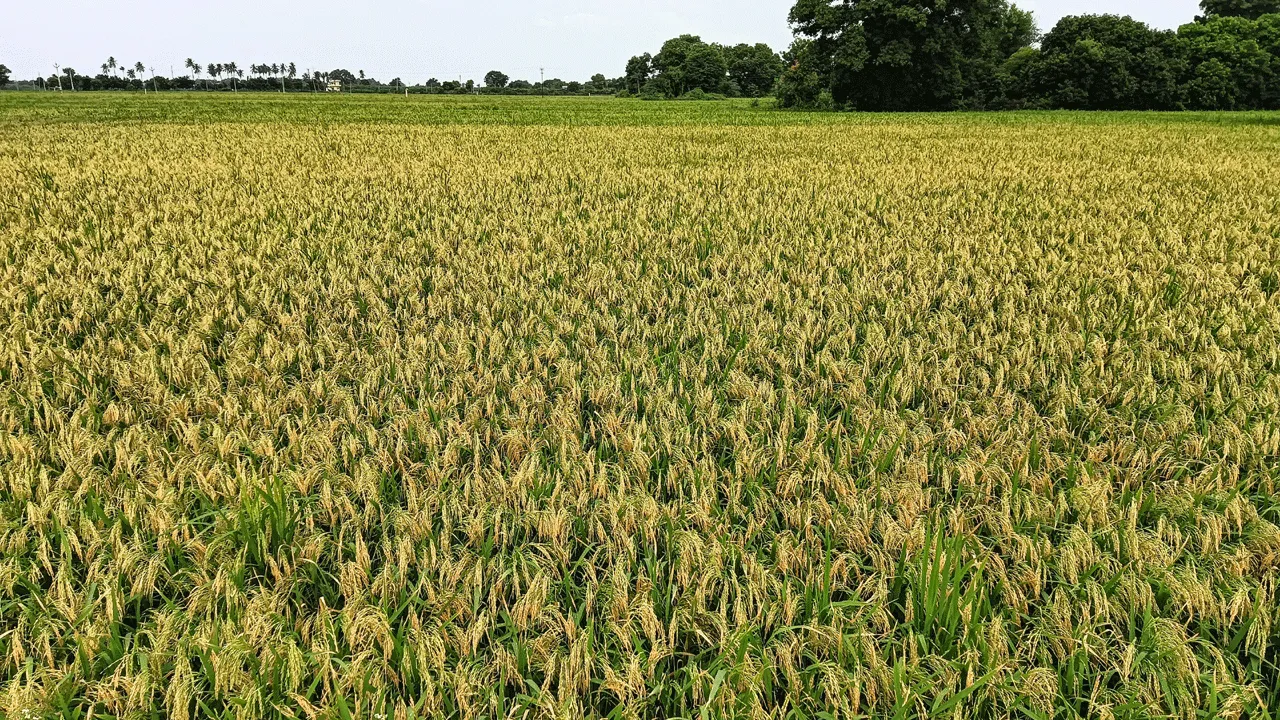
(419, 39)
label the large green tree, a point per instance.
(1251, 9)
(4, 76)
(496, 79)
(911, 54)
(1235, 62)
(753, 69)
(639, 70)
(346, 77)
(1106, 62)
(800, 85)
(687, 63)
(705, 68)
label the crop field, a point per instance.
(398, 408)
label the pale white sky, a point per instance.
(418, 39)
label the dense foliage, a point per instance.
(911, 55)
(565, 414)
(889, 54)
(1111, 63)
(687, 64)
(1252, 9)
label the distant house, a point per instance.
(334, 86)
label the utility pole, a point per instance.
(542, 75)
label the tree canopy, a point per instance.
(1104, 62)
(346, 77)
(910, 54)
(1251, 9)
(639, 70)
(753, 69)
(687, 64)
(496, 79)
(955, 54)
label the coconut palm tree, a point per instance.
(198, 70)
(111, 65)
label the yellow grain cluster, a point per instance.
(906, 418)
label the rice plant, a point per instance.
(793, 417)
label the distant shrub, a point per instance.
(700, 94)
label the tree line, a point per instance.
(987, 54)
(872, 55)
(285, 77)
(685, 66)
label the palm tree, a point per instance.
(232, 71)
(111, 65)
(198, 70)
(104, 68)
(192, 66)
(293, 71)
